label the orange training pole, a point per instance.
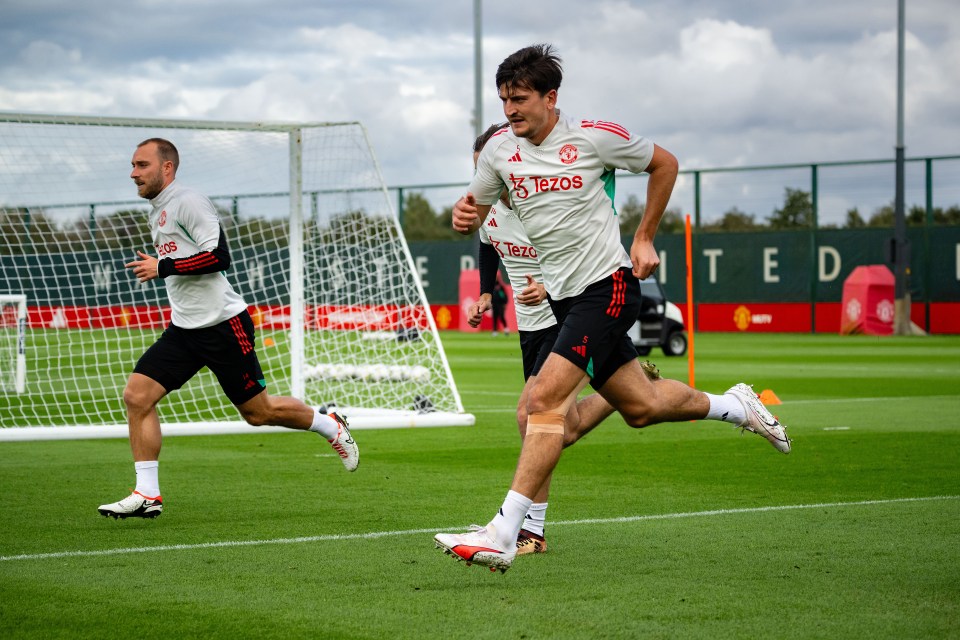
(690, 321)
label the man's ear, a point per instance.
(551, 98)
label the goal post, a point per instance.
(317, 253)
(13, 343)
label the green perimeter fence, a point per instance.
(805, 263)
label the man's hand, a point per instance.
(478, 308)
(532, 294)
(644, 257)
(466, 219)
(145, 268)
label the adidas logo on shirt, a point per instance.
(515, 157)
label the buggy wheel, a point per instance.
(676, 344)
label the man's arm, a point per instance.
(488, 262)
(478, 308)
(533, 294)
(212, 261)
(468, 216)
(663, 170)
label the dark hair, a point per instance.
(165, 150)
(482, 139)
(536, 67)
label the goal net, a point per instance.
(317, 254)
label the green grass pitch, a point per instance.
(684, 530)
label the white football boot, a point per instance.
(479, 546)
(344, 444)
(759, 420)
(135, 505)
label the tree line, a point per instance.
(35, 231)
(422, 223)
(25, 230)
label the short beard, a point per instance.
(153, 189)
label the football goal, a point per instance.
(317, 253)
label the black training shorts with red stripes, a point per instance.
(535, 346)
(594, 324)
(227, 349)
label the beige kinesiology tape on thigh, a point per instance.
(545, 422)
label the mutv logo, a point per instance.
(743, 318)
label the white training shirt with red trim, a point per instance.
(184, 222)
(503, 231)
(562, 191)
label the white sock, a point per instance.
(726, 408)
(324, 425)
(508, 520)
(148, 481)
(536, 518)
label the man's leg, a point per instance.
(550, 398)
(141, 396)
(583, 416)
(280, 411)
(283, 411)
(531, 537)
(237, 367)
(643, 403)
(548, 402)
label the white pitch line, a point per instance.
(871, 400)
(406, 532)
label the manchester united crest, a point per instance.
(568, 153)
(163, 218)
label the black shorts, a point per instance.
(227, 349)
(535, 346)
(594, 324)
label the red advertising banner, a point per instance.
(763, 317)
(730, 317)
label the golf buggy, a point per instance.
(659, 324)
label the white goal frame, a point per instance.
(20, 359)
(300, 371)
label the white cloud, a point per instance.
(718, 83)
(41, 55)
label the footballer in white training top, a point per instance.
(562, 192)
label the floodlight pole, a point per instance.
(901, 246)
(478, 67)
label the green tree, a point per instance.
(854, 219)
(421, 222)
(733, 220)
(127, 229)
(672, 221)
(796, 212)
(631, 213)
(916, 216)
(951, 215)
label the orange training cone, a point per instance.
(768, 397)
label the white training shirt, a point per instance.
(562, 191)
(503, 231)
(184, 222)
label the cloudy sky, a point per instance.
(719, 82)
